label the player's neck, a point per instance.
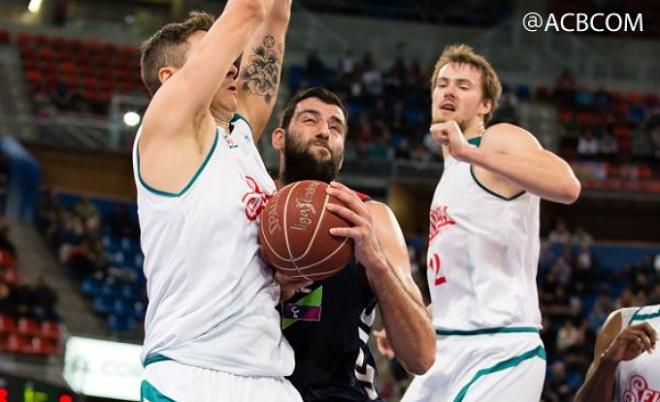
(474, 130)
(222, 117)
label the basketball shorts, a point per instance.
(168, 381)
(483, 367)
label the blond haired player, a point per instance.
(484, 241)
(626, 366)
(211, 330)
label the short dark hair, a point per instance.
(168, 46)
(322, 94)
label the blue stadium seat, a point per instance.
(121, 323)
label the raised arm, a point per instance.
(516, 158)
(180, 106)
(261, 68)
(381, 249)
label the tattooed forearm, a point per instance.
(261, 73)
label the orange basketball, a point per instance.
(295, 232)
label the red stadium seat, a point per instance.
(50, 329)
(16, 343)
(28, 326)
(7, 324)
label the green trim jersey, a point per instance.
(211, 298)
(638, 380)
(482, 256)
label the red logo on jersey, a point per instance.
(638, 391)
(435, 264)
(254, 200)
(438, 218)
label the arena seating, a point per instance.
(103, 257)
(28, 321)
(78, 75)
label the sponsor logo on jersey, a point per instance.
(438, 219)
(307, 308)
(638, 390)
(254, 200)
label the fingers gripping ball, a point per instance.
(295, 232)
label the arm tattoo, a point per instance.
(261, 73)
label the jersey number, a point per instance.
(434, 265)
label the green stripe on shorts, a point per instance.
(149, 393)
(485, 331)
(155, 359)
(539, 351)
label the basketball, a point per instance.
(295, 232)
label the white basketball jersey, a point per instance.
(638, 380)
(211, 298)
(483, 255)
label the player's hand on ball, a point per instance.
(631, 342)
(367, 248)
(290, 285)
(383, 344)
(450, 135)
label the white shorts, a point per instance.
(167, 381)
(484, 368)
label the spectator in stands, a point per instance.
(601, 309)
(608, 145)
(372, 77)
(557, 389)
(588, 144)
(560, 233)
(347, 64)
(86, 210)
(582, 238)
(45, 299)
(567, 336)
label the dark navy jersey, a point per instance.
(328, 326)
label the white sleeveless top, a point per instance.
(483, 255)
(211, 298)
(638, 380)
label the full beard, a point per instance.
(301, 164)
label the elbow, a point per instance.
(571, 191)
(255, 10)
(421, 365)
(423, 360)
